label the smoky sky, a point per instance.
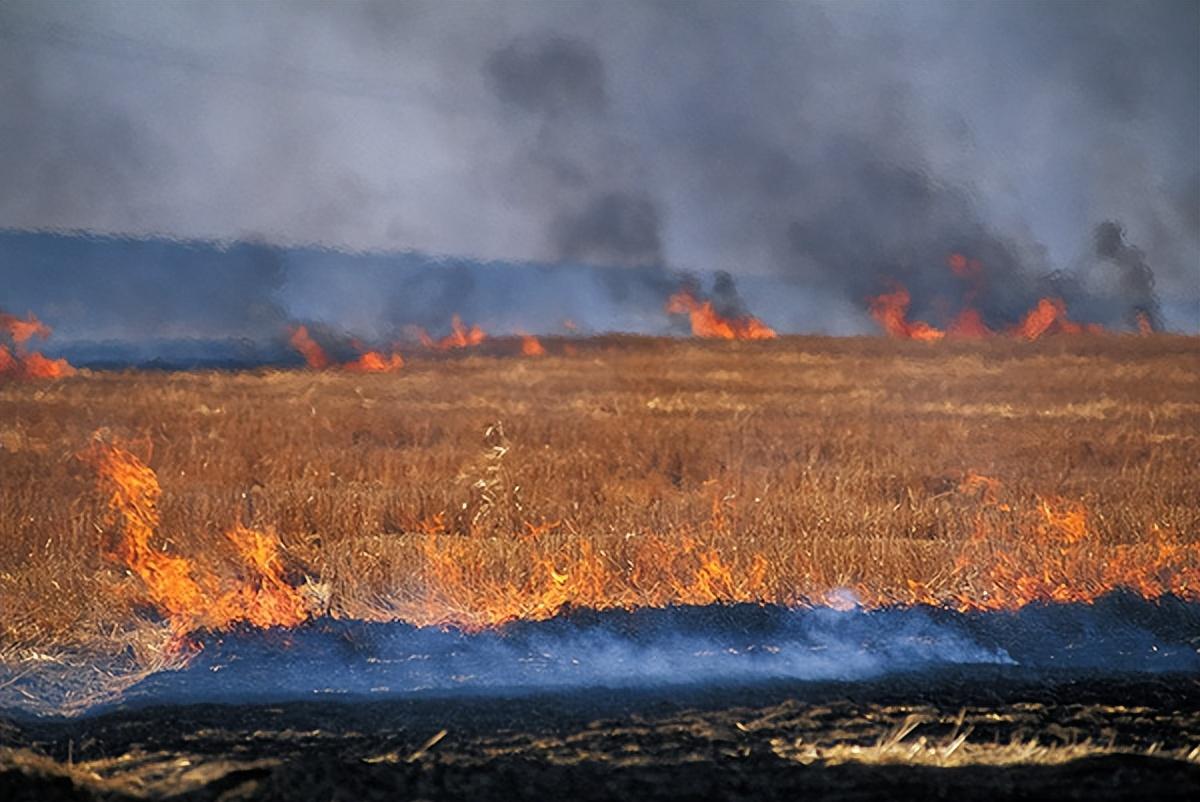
(834, 146)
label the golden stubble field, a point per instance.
(474, 489)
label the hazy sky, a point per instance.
(823, 142)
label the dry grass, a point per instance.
(837, 462)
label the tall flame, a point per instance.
(1050, 316)
(189, 594)
(18, 363)
(460, 336)
(21, 331)
(1145, 325)
(707, 323)
(890, 310)
(314, 355)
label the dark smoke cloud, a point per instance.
(560, 84)
(727, 301)
(614, 228)
(1135, 279)
(554, 77)
(835, 146)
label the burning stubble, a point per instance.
(302, 497)
(16, 360)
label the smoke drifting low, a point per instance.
(667, 650)
(827, 149)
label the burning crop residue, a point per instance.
(314, 355)
(890, 310)
(348, 354)
(16, 360)
(460, 336)
(188, 594)
(317, 358)
(1047, 317)
(706, 322)
(1016, 558)
(1050, 317)
(532, 346)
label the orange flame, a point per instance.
(375, 362)
(1145, 326)
(1017, 555)
(188, 594)
(459, 337)
(968, 325)
(1039, 319)
(317, 359)
(8, 363)
(21, 331)
(890, 310)
(531, 346)
(1060, 559)
(963, 267)
(1050, 316)
(461, 590)
(36, 366)
(314, 355)
(707, 323)
(16, 362)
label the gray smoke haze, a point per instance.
(1134, 279)
(835, 146)
(657, 650)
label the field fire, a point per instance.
(516, 401)
(369, 541)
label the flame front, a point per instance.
(460, 336)
(188, 594)
(707, 323)
(314, 355)
(531, 346)
(890, 310)
(1048, 316)
(1060, 559)
(1016, 555)
(19, 363)
(375, 362)
(318, 359)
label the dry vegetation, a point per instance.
(451, 488)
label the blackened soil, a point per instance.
(682, 743)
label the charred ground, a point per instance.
(965, 737)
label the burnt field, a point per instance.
(621, 567)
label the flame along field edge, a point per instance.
(1012, 559)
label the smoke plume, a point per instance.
(830, 148)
